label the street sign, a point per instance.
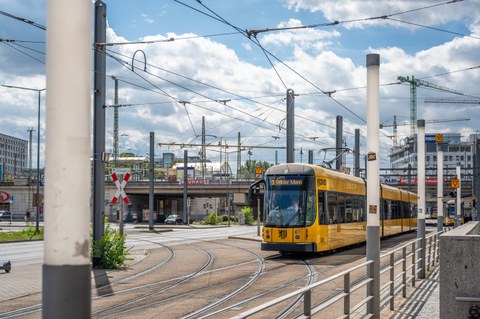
(431, 138)
(4, 197)
(120, 190)
(439, 138)
(258, 171)
(455, 183)
(121, 170)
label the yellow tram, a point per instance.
(450, 215)
(310, 208)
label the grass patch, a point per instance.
(25, 234)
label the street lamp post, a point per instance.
(37, 218)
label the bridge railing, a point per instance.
(399, 267)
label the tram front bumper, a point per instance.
(293, 247)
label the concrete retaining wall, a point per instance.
(460, 271)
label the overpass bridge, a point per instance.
(205, 196)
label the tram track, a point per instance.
(241, 285)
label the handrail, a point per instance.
(391, 288)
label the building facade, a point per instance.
(456, 152)
(13, 157)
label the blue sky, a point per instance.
(432, 38)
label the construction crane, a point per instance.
(395, 124)
(452, 101)
(413, 97)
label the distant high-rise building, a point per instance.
(455, 151)
(13, 157)
(168, 158)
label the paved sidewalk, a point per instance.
(424, 302)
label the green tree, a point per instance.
(248, 169)
(126, 154)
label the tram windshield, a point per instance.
(289, 201)
(451, 211)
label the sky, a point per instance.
(204, 59)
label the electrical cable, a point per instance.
(30, 56)
(23, 20)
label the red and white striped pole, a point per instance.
(120, 193)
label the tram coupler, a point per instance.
(6, 266)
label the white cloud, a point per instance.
(334, 10)
(146, 18)
(321, 56)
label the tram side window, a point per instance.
(396, 209)
(357, 208)
(386, 211)
(406, 213)
(310, 207)
(332, 203)
(341, 207)
(345, 208)
(323, 220)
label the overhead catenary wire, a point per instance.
(244, 33)
(29, 22)
(127, 65)
(216, 101)
(17, 49)
(249, 99)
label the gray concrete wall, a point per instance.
(459, 270)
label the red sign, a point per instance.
(4, 196)
(120, 190)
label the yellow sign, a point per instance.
(439, 138)
(322, 183)
(455, 183)
(258, 170)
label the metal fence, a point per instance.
(399, 267)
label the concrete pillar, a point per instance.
(66, 276)
(373, 182)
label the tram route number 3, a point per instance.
(372, 209)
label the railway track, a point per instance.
(211, 279)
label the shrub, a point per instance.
(224, 218)
(248, 213)
(212, 219)
(111, 248)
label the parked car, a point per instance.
(5, 215)
(173, 219)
